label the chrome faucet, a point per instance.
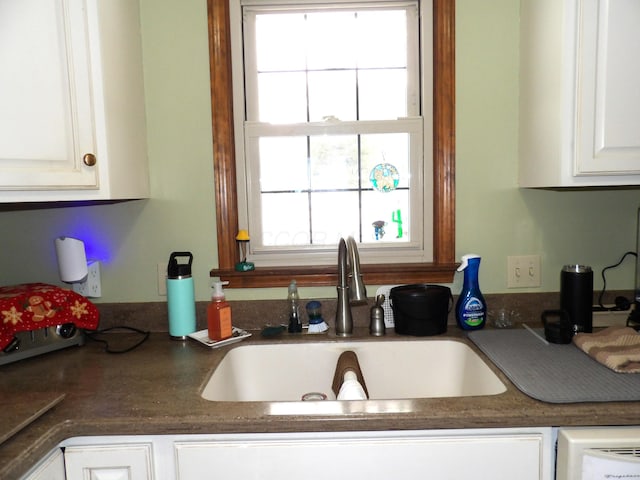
(351, 288)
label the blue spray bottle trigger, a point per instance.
(465, 261)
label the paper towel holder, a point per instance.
(74, 268)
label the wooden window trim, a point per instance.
(440, 270)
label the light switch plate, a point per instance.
(523, 271)
(162, 279)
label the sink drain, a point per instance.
(313, 397)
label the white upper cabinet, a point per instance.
(579, 93)
(72, 117)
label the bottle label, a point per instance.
(225, 320)
(473, 314)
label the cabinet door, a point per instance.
(46, 115)
(109, 462)
(495, 457)
(49, 468)
(608, 88)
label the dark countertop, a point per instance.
(155, 389)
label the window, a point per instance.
(441, 204)
(330, 134)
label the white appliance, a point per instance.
(598, 453)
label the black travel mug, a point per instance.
(576, 296)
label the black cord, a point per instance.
(604, 280)
(145, 336)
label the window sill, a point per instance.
(320, 276)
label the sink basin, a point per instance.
(391, 370)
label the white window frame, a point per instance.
(420, 248)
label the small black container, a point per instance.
(421, 309)
(557, 326)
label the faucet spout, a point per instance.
(357, 288)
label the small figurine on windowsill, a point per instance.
(243, 242)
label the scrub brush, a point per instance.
(316, 322)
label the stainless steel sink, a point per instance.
(392, 370)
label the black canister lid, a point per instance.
(417, 291)
(175, 269)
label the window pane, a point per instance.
(386, 149)
(334, 215)
(282, 97)
(382, 94)
(389, 212)
(332, 94)
(274, 49)
(334, 162)
(382, 39)
(283, 163)
(332, 40)
(285, 219)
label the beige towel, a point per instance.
(616, 347)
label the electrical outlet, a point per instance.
(91, 286)
(162, 279)
(523, 271)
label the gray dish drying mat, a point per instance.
(554, 373)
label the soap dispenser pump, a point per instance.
(471, 308)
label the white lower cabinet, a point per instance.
(496, 454)
(124, 461)
(51, 467)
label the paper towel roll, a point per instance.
(351, 388)
(72, 259)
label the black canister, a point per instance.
(576, 296)
(421, 309)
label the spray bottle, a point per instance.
(471, 309)
(219, 323)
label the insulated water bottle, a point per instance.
(576, 296)
(181, 300)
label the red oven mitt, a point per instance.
(32, 306)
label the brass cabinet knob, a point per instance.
(89, 159)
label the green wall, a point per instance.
(494, 218)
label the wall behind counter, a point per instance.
(493, 218)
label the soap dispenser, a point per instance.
(295, 323)
(471, 308)
(219, 324)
